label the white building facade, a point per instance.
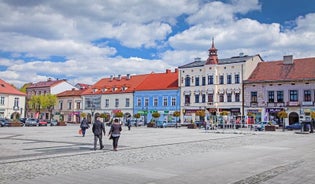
(214, 86)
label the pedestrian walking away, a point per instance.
(98, 128)
(84, 125)
(114, 133)
(128, 123)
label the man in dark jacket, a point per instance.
(98, 128)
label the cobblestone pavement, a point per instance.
(154, 155)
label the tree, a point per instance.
(282, 114)
(119, 114)
(201, 114)
(83, 115)
(137, 116)
(156, 115)
(42, 102)
(176, 114)
(105, 117)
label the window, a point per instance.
(2, 100)
(197, 98)
(237, 97)
(210, 79)
(173, 101)
(229, 79)
(187, 99)
(229, 97)
(78, 105)
(293, 95)
(280, 96)
(60, 105)
(237, 78)
(253, 96)
(307, 96)
(203, 81)
(116, 102)
(155, 102)
(127, 102)
(139, 102)
(146, 102)
(107, 103)
(69, 105)
(197, 81)
(164, 101)
(221, 79)
(210, 97)
(16, 102)
(221, 97)
(203, 98)
(271, 96)
(187, 81)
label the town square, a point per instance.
(156, 155)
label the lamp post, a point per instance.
(15, 108)
(92, 112)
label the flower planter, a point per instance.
(62, 123)
(270, 128)
(192, 126)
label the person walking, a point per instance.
(128, 123)
(98, 128)
(84, 125)
(114, 133)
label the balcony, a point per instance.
(292, 104)
(308, 103)
(187, 104)
(275, 104)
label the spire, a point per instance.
(213, 56)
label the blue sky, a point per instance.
(84, 41)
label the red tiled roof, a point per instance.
(73, 92)
(301, 69)
(6, 88)
(48, 83)
(106, 85)
(160, 81)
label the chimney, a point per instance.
(119, 77)
(128, 76)
(111, 77)
(176, 70)
(168, 71)
(288, 59)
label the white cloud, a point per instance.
(71, 29)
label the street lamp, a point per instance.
(15, 108)
(92, 112)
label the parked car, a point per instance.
(31, 122)
(170, 124)
(23, 120)
(260, 126)
(4, 122)
(294, 126)
(42, 122)
(53, 122)
(159, 124)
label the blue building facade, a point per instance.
(165, 102)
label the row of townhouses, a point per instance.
(244, 87)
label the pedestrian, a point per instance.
(98, 128)
(84, 125)
(128, 123)
(114, 133)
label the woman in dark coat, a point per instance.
(114, 133)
